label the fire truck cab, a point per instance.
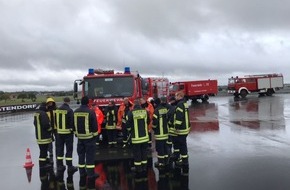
(264, 84)
(103, 86)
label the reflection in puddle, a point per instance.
(258, 113)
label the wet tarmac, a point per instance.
(241, 144)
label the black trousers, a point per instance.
(43, 149)
(125, 133)
(112, 136)
(86, 149)
(161, 148)
(64, 140)
(140, 155)
(180, 141)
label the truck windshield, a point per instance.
(231, 81)
(174, 88)
(109, 87)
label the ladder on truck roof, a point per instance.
(264, 75)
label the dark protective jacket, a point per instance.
(64, 119)
(51, 112)
(111, 117)
(138, 120)
(160, 122)
(42, 126)
(181, 118)
(85, 123)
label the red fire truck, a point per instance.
(102, 86)
(264, 84)
(195, 90)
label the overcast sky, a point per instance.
(47, 44)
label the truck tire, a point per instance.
(205, 98)
(243, 93)
(270, 92)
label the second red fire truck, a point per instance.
(195, 90)
(264, 84)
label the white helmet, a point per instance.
(150, 99)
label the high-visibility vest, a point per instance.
(181, 119)
(160, 123)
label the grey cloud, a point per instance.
(178, 39)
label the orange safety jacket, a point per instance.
(100, 118)
(121, 114)
(150, 109)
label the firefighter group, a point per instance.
(164, 121)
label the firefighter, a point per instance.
(149, 107)
(182, 127)
(85, 124)
(123, 111)
(43, 135)
(100, 120)
(160, 128)
(171, 131)
(138, 120)
(51, 107)
(111, 115)
(64, 119)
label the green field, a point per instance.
(39, 99)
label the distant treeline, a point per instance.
(31, 95)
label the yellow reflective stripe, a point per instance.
(64, 132)
(184, 156)
(144, 162)
(160, 156)
(44, 141)
(183, 131)
(140, 140)
(90, 166)
(69, 159)
(161, 137)
(84, 136)
(60, 158)
(177, 122)
(42, 159)
(86, 116)
(138, 115)
(38, 125)
(137, 163)
(43, 178)
(161, 125)
(179, 109)
(82, 165)
(61, 113)
(110, 127)
(69, 185)
(155, 116)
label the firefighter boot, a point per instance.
(83, 182)
(91, 183)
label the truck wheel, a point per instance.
(243, 93)
(269, 92)
(205, 98)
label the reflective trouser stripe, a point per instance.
(90, 166)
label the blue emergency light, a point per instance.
(127, 70)
(91, 71)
